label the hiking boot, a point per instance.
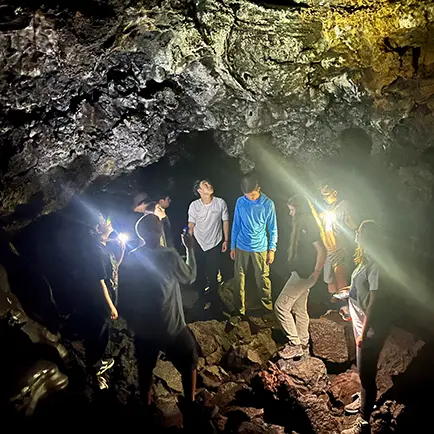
(291, 352)
(354, 407)
(360, 426)
(105, 366)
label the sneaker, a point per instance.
(354, 407)
(360, 427)
(105, 366)
(102, 382)
(344, 312)
(291, 352)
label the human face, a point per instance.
(254, 195)
(328, 194)
(165, 203)
(104, 228)
(292, 210)
(205, 188)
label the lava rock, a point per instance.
(320, 417)
(213, 376)
(169, 374)
(399, 350)
(308, 375)
(332, 340)
(344, 386)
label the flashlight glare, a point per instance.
(330, 220)
(123, 237)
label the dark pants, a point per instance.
(96, 330)
(182, 353)
(367, 359)
(208, 265)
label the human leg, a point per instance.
(96, 338)
(262, 277)
(299, 310)
(329, 277)
(183, 354)
(146, 355)
(212, 269)
(241, 263)
(201, 278)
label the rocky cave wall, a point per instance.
(98, 88)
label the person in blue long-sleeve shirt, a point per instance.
(254, 238)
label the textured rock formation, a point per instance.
(332, 340)
(344, 386)
(97, 88)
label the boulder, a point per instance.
(168, 413)
(398, 352)
(344, 386)
(213, 376)
(319, 415)
(258, 426)
(165, 371)
(229, 394)
(384, 419)
(332, 340)
(308, 375)
(210, 336)
(257, 351)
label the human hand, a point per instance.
(187, 240)
(114, 313)
(224, 246)
(270, 257)
(233, 254)
(359, 341)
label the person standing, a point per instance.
(151, 303)
(254, 239)
(368, 317)
(208, 223)
(98, 306)
(306, 258)
(163, 202)
(338, 229)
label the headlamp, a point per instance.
(123, 237)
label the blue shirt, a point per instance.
(253, 219)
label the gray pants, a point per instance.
(291, 309)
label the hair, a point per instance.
(374, 229)
(305, 219)
(249, 183)
(196, 185)
(149, 228)
(161, 196)
(140, 198)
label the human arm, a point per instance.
(272, 233)
(373, 281)
(186, 271)
(235, 231)
(321, 255)
(191, 219)
(113, 310)
(225, 218)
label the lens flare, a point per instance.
(123, 237)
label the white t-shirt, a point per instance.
(208, 219)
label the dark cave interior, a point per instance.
(101, 99)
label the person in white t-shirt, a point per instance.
(208, 223)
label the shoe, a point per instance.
(306, 352)
(105, 366)
(102, 383)
(291, 352)
(360, 427)
(354, 407)
(345, 313)
(207, 305)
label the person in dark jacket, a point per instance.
(150, 301)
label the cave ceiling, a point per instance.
(98, 88)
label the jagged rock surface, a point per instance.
(92, 89)
(332, 339)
